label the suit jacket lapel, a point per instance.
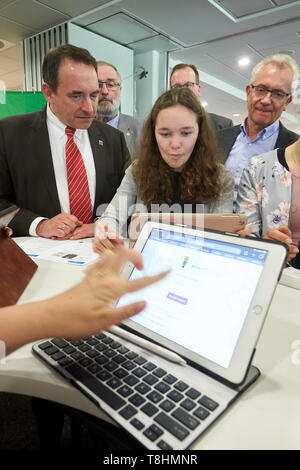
(41, 152)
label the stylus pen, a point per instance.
(171, 356)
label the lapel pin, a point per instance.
(100, 143)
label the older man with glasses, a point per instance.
(187, 76)
(268, 95)
(109, 103)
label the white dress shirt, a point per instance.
(58, 139)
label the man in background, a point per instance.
(268, 94)
(109, 103)
(59, 164)
(187, 75)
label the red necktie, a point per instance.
(79, 194)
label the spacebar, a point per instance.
(103, 392)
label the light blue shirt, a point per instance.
(244, 148)
(114, 122)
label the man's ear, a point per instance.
(47, 91)
(287, 102)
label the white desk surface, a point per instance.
(267, 416)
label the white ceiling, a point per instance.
(193, 31)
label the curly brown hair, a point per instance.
(200, 177)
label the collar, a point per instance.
(59, 126)
(267, 131)
(114, 122)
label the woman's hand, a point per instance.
(105, 238)
(283, 234)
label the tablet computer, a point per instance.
(211, 308)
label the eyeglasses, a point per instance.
(262, 91)
(110, 85)
(184, 85)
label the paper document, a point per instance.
(78, 252)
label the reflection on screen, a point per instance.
(203, 303)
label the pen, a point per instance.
(165, 353)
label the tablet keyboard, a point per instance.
(155, 403)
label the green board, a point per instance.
(18, 102)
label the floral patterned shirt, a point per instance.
(265, 192)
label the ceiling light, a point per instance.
(235, 115)
(244, 61)
(204, 103)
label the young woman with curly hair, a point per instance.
(175, 166)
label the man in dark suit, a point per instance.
(109, 103)
(268, 95)
(187, 75)
(33, 173)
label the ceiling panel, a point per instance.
(32, 14)
(73, 8)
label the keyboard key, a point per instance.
(76, 355)
(53, 350)
(86, 361)
(92, 342)
(76, 342)
(93, 353)
(128, 412)
(69, 350)
(149, 366)
(101, 360)
(95, 368)
(111, 366)
(107, 340)
(131, 355)
(65, 362)
(170, 379)
(137, 424)
(110, 353)
(208, 403)
(59, 342)
(137, 400)
(142, 388)
(150, 379)
(171, 425)
(45, 345)
(139, 372)
(201, 413)
(84, 347)
(115, 345)
(193, 393)
(131, 380)
(101, 347)
(185, 418)
(149, 409)
(150, 434)
(167, 405)
(114, 383)
(156, 430)
(104, 375)
(100, 336)
(121, 373)
(119, 359)
(139, 360)
(101, 390)
(159, 372)
(128, 365)
(125, 391)
(154, 396)
(162, 387)
(175, 396)
(163, 445)
(58, 356)
(188, 404)
(123, 350)
(181, 386)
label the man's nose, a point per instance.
(88, 105)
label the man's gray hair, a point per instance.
(102, 62)
(281, 61)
